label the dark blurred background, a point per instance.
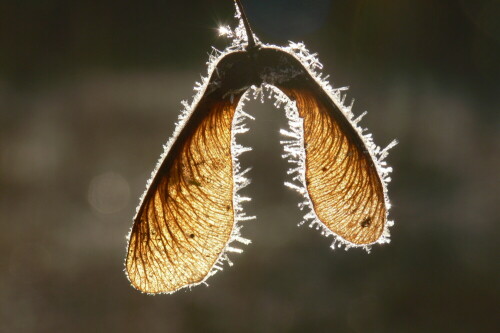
(90, 90)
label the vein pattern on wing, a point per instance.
(187, 215)
(340, 176)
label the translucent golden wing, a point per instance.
(345, 189)
(187, 215)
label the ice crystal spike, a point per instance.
(190, 216)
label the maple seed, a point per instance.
(193, 191)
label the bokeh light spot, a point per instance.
(108, 193)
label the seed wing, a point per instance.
(186, 217)
(341, 178)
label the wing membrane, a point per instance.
(187, 215)
(341, 178)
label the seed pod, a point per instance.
(188, 217)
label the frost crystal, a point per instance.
(293, 145)
(295, 152)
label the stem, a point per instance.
(251, 40)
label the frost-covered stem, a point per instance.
(251, 40)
